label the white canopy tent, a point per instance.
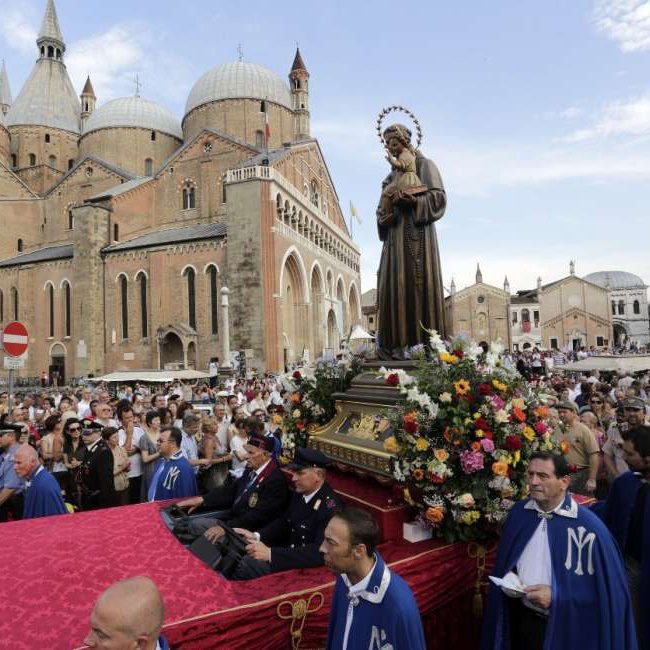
(153, 376)
(610, 363)
(359, 340)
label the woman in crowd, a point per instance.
(237, 438)
(213, 448)
(52, 449)
(149, 451)
(257, 402)
(73, 453)
(121, 465)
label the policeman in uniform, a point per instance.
(293, 541)
(96, 469)
(11, 485)
(259, 496)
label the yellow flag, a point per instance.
(354, 213)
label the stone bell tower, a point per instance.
(299, 82)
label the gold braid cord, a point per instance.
(297, 612)
(478, 552)
(391, 109)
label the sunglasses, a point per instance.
(71, 429)
(595, 401)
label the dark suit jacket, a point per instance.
(295, 538)
(97, 475)
(256, 506)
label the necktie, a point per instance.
(249, 485)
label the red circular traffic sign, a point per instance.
(15, 339)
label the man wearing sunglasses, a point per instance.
(613, 453)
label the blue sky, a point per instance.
(537, 114)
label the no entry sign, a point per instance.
(15, 339)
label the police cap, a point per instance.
(88, 427)
(635, 403)
(305, 458)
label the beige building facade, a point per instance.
(125, 229)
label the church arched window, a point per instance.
(148, 167)
(14, 160)
(50, 51)
(116, 232)
(50, 310)
(214, 299)
(52, 161)
(19, 245)
(259, 139)
(636, 307)
(70, 163)
(613, 307)
(32, 159)
(190, 276)
(14, 302)
(313, 193)
(189, 197)
(67, 310)
(124, 306)
(621, 307)
(70, 220)
(144, 314)
(47, 138)
(263, 106)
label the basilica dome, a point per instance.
(134, 112)
(239, 80)
(616, 280)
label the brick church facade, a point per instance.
(124, 229)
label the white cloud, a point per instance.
(620, 117)
(627, 22)
(17, 28)
(112, 59)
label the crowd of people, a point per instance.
(217, 450)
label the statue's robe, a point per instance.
(590, 602)
(409, 283)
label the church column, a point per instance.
(225, 328)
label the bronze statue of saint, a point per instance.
(409, 283)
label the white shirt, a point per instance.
(135, 468)
(353, 590)
(310, 496)
(534, 566)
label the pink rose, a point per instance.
(488, 445)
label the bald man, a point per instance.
(128, 616)
(42, 491)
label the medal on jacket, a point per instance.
(252, 500)
(317, 504)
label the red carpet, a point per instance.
(47, 598)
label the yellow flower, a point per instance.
(500, 468)
(516, 457)
(529, 434)
(296, 413)
(462, 387)
(467, 421)
(390, 445)
(422, 444)
(445, 357)
(498, 385)
(470, 517)
(476, 415)
(479, 433)
(441, 455)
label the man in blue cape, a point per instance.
(174, 476)
(129, 614)
(627, 515)
(565, 585)
(43, 494)
(373, 608)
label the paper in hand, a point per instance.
(510, 584)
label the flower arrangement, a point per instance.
(311, 401)
(463, 437)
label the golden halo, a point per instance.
(391, 109)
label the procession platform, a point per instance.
(61, 564)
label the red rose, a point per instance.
(572, 468)
(482, 424)
(300, 426)
(459, 353)
(485, 389)
(296, 375)
(392, 379)
(434, 478)
(512, 443)
(488, 434)
(410, 426)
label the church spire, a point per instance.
(506, 285)
(88, 100)
(50, 39)
(479, 275)
(5, 90)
